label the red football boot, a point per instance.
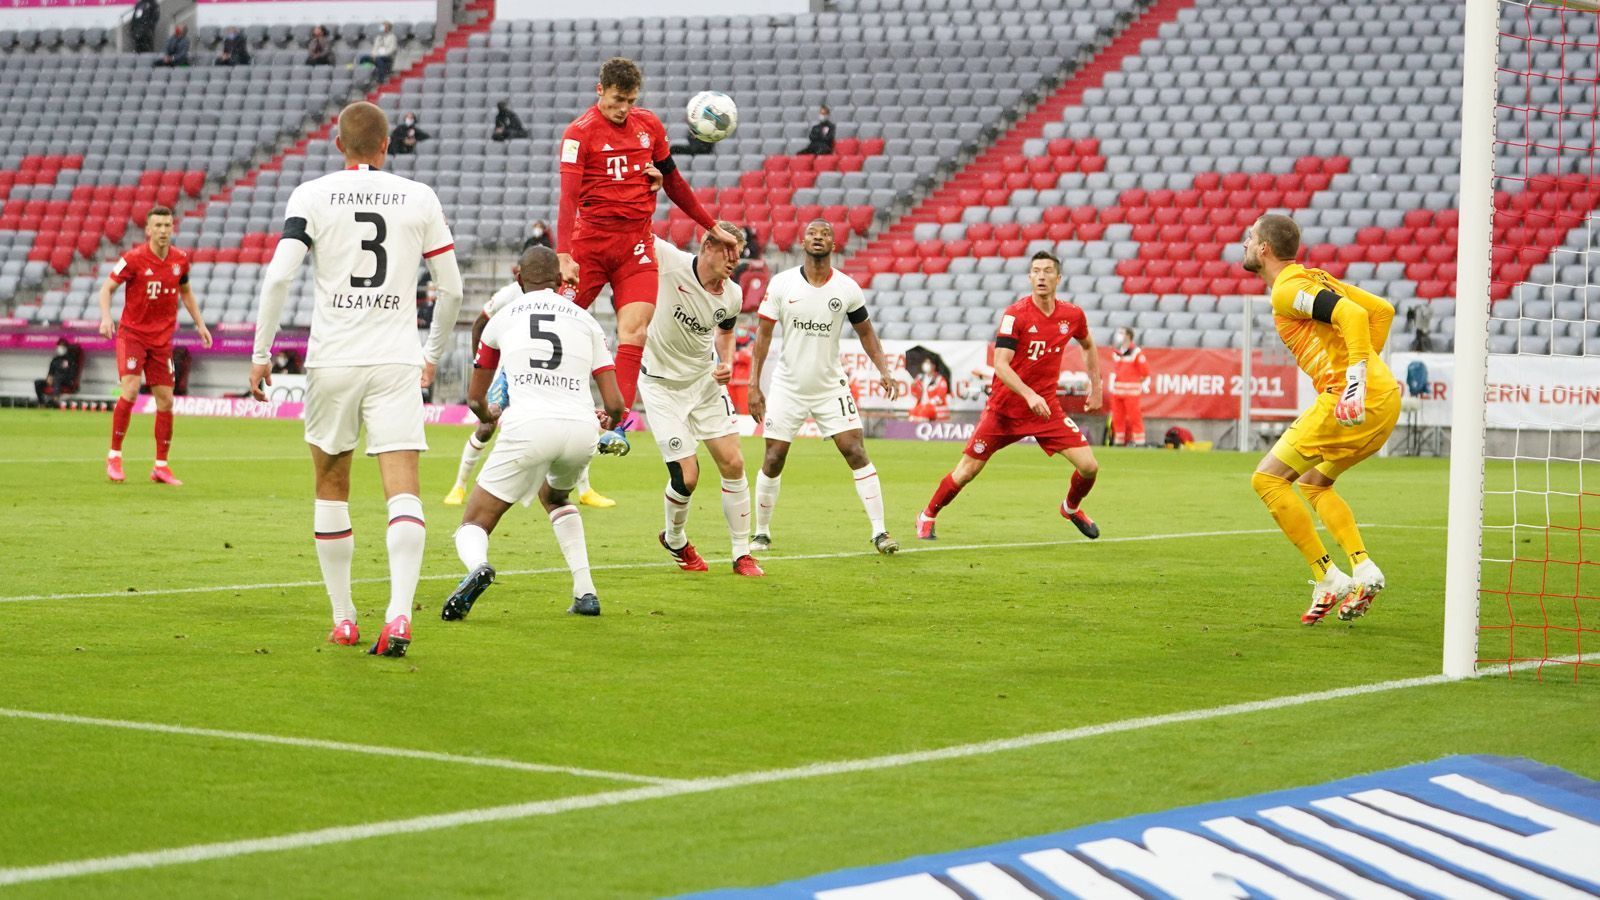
(747, 565)
(685, 556)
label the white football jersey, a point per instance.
(368, 231)
(549, 349)
(813, 320)
(683, 327)
(500, 298)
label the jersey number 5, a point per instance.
(539, 334)
(380, 268)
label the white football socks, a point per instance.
(568, 526)
(469, 460)
(736, 509)
(871, 494)
(472, 545)
(766, 499)
(583, 482)
(336, 547)
(677, 508)
(408, 536)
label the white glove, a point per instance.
(1351, 409)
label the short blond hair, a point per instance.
(363, 127)
(730, 228)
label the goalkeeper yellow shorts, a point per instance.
(1317, 440)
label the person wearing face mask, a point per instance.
(235, 49)
(384, 47)
(539, 236)
(930, 394)
(61, 378)
(1130, 378)
(821, 135)
(406, 135)
(507, 124)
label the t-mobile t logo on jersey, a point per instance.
(617, 166)
(1035, 349)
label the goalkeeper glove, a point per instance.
(1351, 409)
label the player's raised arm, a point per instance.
(1091, 364)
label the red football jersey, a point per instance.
(611, 159)
(150, 303)
(1039, 341)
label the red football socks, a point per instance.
(120, 416)
(942, 496)
(629, 358)
(163, 434)
(1080, 489)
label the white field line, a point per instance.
(341, 746)
(346, 833)
(661, 564)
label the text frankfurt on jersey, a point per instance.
(548, 379)
(365, 301)
(366, 198)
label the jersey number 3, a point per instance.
(539, 334)
(380, 259)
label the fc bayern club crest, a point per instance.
(1063, 327)
(175, 269)
(644, 139)
(979, 446)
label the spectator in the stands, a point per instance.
(176, 52)
(821, 136)
(539, 236)
(384, 46)
(142, 26)
(60, 378)
(752, 244)
(319, 51)
(406, 135)
(286, 363)
(507, 125)
(235, 48)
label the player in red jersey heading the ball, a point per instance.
(614, 158)
(157, 278)
(1028, 350)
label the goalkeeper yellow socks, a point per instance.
(1293, 517)
(1336, 514)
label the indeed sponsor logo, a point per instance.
(690, 322)
(809, 327)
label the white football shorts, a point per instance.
(684, 414)
(556, 456)
(386, 400)
(835, 412)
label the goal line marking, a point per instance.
(346, 833)
(611, 567)
(341, 746)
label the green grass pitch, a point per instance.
(201, 607)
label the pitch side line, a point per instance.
(611, 567)
(341, 746)
(186, 459)
(347, 833)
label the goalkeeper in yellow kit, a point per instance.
(1336, 332)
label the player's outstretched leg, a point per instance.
(407, 539)
(336, 547)
(1083, 476)
(682, 475)
(568, 526)
(588, 496)
(472, 546)
(470, 452)
(1341, 521)
(725, 453)
(1331, 586)
(967, 468)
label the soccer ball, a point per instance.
(712, 116)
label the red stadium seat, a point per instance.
(935, 266)
(681, 232)
(1035, 231)
(871, 146)
(980, 231)
(784, 234)
(1017, 181)
(1147, 233)
(1163, 286)
(995, 198)
(1013, 248)
(847, 145)
(985, 248)
(1186, 268)
(1007, 231)
(861, 218)
(1091, 231)
(903, 248)
(956, 249)
(1083, 215)
(837, 216)
(1092, 164)
(1208, 181)
(1061, 231)
(1154, 268)
(934, 247)
(905, 265)
(1194, 286)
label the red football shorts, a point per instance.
(621, 254)
(134, 357)
(1054, 434)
